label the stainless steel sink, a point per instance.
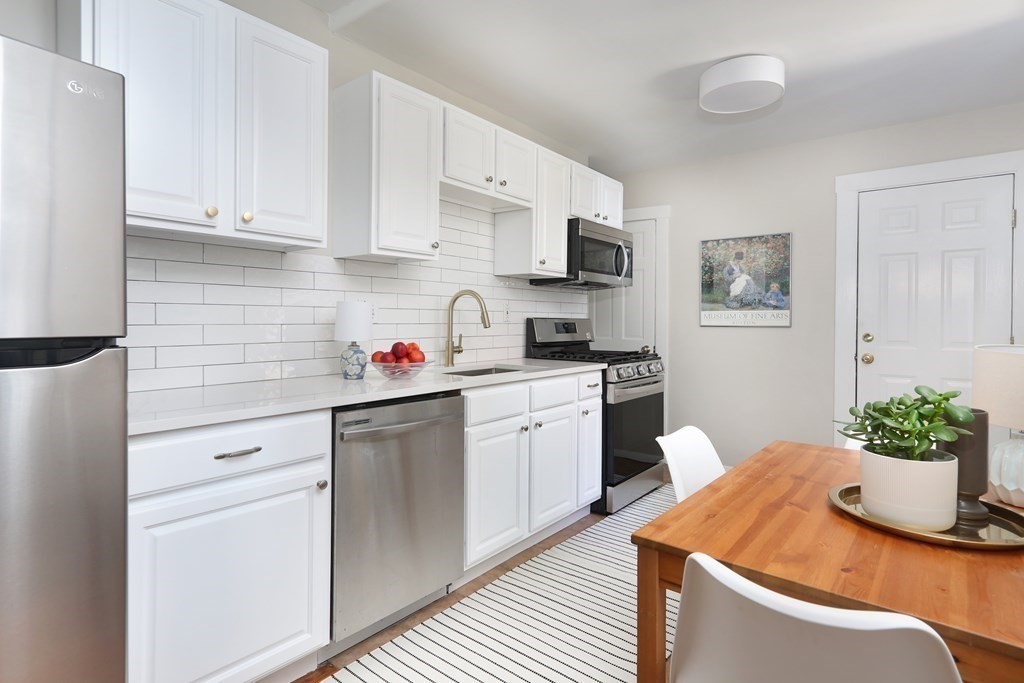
(481, 371)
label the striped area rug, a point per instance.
(568, 614)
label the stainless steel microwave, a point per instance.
(598, 257)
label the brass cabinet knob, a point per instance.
(867, 359)
(322, 484)
(212, 211)
(868, 337)
(489, 178)
(247, 216)
(435, 245)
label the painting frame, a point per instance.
(746, 281)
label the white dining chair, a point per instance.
(732, 629)
(692, 460)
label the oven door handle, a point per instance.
(617, 395)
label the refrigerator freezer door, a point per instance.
(63, 493)
(61, 197)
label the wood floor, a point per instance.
(355, 652)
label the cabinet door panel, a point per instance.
(281, 118)
(230, 579)
(167, 52)
(468, 148)
(584, 193)
(589, 452)
(552, 213)
(552, 465)
(515, 165)
(496, 482)
(409, 151)
(611, 201)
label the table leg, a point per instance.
(650, 618)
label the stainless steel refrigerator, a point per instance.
(63, 438)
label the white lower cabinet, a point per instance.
(229, 577)
(552, 465)
(588, 451)
(497, 462)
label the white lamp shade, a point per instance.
(353, 321)
(998, 383)
(742, 84)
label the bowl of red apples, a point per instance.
(404, 360)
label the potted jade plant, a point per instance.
(904, 479)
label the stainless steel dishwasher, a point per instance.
(398, 506)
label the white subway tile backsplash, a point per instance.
(258, 296)
(266, 277)
(176, 271)
(243, 372)
(166, 250)
(210, 315)
(241, 334)
(210, 354)
(198, 314)
(238, 256)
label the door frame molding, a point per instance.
(848, 189)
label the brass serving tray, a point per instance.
(1004, 531)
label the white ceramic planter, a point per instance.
(919, 494)
(1006, 472)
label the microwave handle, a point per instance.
(625, 259)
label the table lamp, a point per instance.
(353, 322)
(998, 387)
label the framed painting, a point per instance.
(745, 281)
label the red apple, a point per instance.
(399, 349)
(387, 357)
(377, 355)
(416, 356)
(402, 360)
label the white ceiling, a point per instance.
(617, 79)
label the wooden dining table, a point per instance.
(770, 520)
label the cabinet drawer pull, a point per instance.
(543, 261)
(503, 183)
(212, 211)
(593, 386)
(524, 428)
(604, 218)
(489, 178)
(435, 245)
(247, 217)
(597, 215)
(586, 412)
(238, 454)
(322, 484)
(538, 424)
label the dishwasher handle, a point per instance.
(397, 429)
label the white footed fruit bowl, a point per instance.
(916, 494)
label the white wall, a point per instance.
(747, 387)
(31, 21)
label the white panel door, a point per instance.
(409, 149)
(515, 165)
(589, 451)
(552, 465)
(230, 579)
(934, 279)
(611, 202)
(584, 200)
(497, 463)
(624, 317)
(167, 52)
(281, 115)
(551, 213)
(468, 148)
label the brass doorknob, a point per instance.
(212, 211)
(247, 216)
(867, 359)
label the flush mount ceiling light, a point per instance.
(742, 84)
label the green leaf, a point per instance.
(927, 392)
(950, 394)
(959, 413)
(944, 433)
(855, 412)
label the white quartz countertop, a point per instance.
(165, 410)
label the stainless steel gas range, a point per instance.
(634, 402)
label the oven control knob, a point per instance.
(658, 366)
(621, 373)
(653, 367)
(641, 370)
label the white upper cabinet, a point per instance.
(386, 156)
(281, 129)
(596, 197)
(496, 165)
(533, 242)
(225, 117)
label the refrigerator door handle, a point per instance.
(238, 454)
